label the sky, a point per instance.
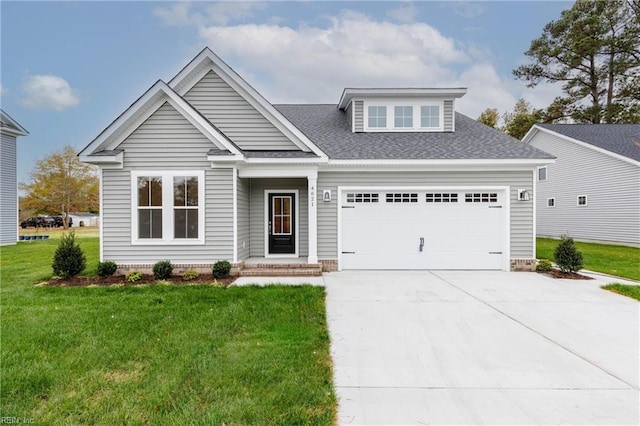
(68, 69)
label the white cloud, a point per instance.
(220, 13)
(177, 15)
(466, 9)
(405, 13)
(48, 92)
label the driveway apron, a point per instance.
(463, 347)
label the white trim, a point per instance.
(101, 204)
(234, 185)
(546, 173)
(457, 162)
(285, 160)
(168, 208)
(18, 131)
(277, 172)
(350, 94)
(267, 214)
(107, 161)
(531, 133)
(390, 105)
(312, 226)
(506, 195)
(534, 189)
(586, 201)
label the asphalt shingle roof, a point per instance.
(622, 139)
(278, 154)
(329, 128)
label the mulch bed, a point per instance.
(79, 281)
(556, 273)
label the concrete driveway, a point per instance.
(460, 347)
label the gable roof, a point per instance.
(329, 128)
(10, 126)
(621, 139)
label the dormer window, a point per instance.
(430, 116)
(377, 116)
(403, 116)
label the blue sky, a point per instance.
(69, 68)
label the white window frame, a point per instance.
(386, 116)
(546, 173)
(407, 117)
(553, 200)
(417, 121)
(586, 203)
(168, 208)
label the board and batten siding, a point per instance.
(521, 214)
(612, 187)
(167, 141)
(235, 117)
(258, 186)
(8, 190)
(243, 218)
(448, 116)
(358, 116)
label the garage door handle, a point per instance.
(348, 252)
(495, 252)
(495, 207)
(348, 207)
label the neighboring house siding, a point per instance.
(358, 116)
(244, 238)
(8, 190)
(234, 116)
(258, 186)
(167, 141)
(521, 212)
(611, 185)
(448, 116)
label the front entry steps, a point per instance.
(280, 269)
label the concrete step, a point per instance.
(282, 266)
(280, 272)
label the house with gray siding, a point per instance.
(10, 130)
(592, 191)
(203, 168)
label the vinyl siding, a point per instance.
(244, 188)
(521, 230)
(612, 187)
(167, 141)
(358, 116)
(349, 114)
(8, 190)
(258, 186)
(235, 117)
(448, 116)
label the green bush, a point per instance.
(107, 268)
(567, 256)
(544, 265)
(134, 276)
(221, 269)
(68, 260)
(162, 270)
(190, 274)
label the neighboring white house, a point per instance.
(592, 191)
(87, 219)
(203, 168)
(9, 132)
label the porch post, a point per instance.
(313, 218)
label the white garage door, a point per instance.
(428, 229)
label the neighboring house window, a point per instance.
(377, 116)
(403, 116)
(430, 116)
(551, 202)
(168, 207)
(582, 200)
(542, 173)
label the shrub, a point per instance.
(190, 274)
(544, 265)
(68, 260)
(221, 269)
(107, 268)
(162, 270)
(567, 256)
(134, 276)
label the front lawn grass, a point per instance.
(620, 261)
(159, 354)
(632, 291)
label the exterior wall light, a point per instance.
(326, 195)
(523, 195)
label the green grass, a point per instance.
(632, 291)
(159, 354)
(620, 261)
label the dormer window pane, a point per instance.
(403, 116)
(377, 116)
(430, 116)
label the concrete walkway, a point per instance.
(482, 348)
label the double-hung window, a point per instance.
(167, 207)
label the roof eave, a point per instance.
(349, 93)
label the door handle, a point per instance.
(269, 227)
(421, 243)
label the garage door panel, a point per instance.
(456, 235)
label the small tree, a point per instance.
(68, 260)
(567, 256)
(489, 117)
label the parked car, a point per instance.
(38, 222)
(59, 221)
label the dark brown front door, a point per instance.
(281, 223)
